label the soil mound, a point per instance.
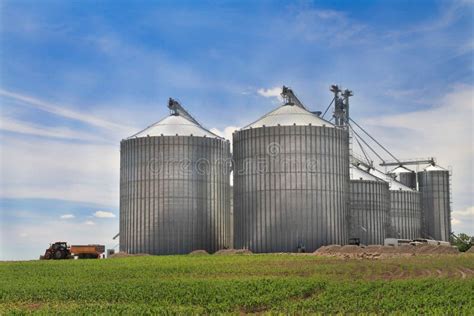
(233, 252)
(198, 252)
(125, 255)
(378, 251)
(331, 249)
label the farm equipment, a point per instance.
(58, 250)
(61, 250)
(87, 251)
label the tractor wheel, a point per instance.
(59, 254)
(47, 256)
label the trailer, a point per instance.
(87, 251)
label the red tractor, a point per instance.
(61, 250)
(58, 250)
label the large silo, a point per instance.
(405, 204)
(433, 184)
(369, 218)
(174, 187)
(291, 182)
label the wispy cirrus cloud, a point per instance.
(104, 214)
(62, 111)
(332, 27)
(28, 128)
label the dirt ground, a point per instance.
(124, 255)
(379, 252)
(233, 252)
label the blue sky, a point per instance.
(78, 76)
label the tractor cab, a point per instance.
(59, 245)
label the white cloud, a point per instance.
(63, 111)
(16, 126)
(466, 212)
(444, 131)
(271, 93)
(226, 133)
(104, 214)
(90, 223)
(67, 216)
(55, 170)
(331, 26)
(462, 221)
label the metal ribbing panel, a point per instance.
(436, 208)
(405, 214)
(369, 211)
(408, 179)
(173, 194)
(291, 186)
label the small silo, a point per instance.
(405, 213)
(174, 188)
(369, 207)
(291, 182)
(433, 183)
(405, 176)
(405, 206)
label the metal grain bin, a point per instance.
(369, 208)
(405, 214)
(174, 188)
(433, 184)
(405, 176)
(405, 204)
(291, 182)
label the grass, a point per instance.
(442, 285)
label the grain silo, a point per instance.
(433, 183)
(291, 182)
(369, 219)
(405, 214)
(174, 187)
(405, 204)
(405, 176)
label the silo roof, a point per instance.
(434, 168)
(179, 123)
(359, 174)
(401, 169)
(392, 183)
(287, 115)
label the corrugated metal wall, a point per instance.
(291, 188)
(174, 194)
(405, 214)
(230, 237)
(408, 179)
(436, 208)
(369, 211)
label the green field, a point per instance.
(240, 284)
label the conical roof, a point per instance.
(287, 115)
(179, 123)
(392, 183)
(401, 169)
(359, 174)
(434, 168)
